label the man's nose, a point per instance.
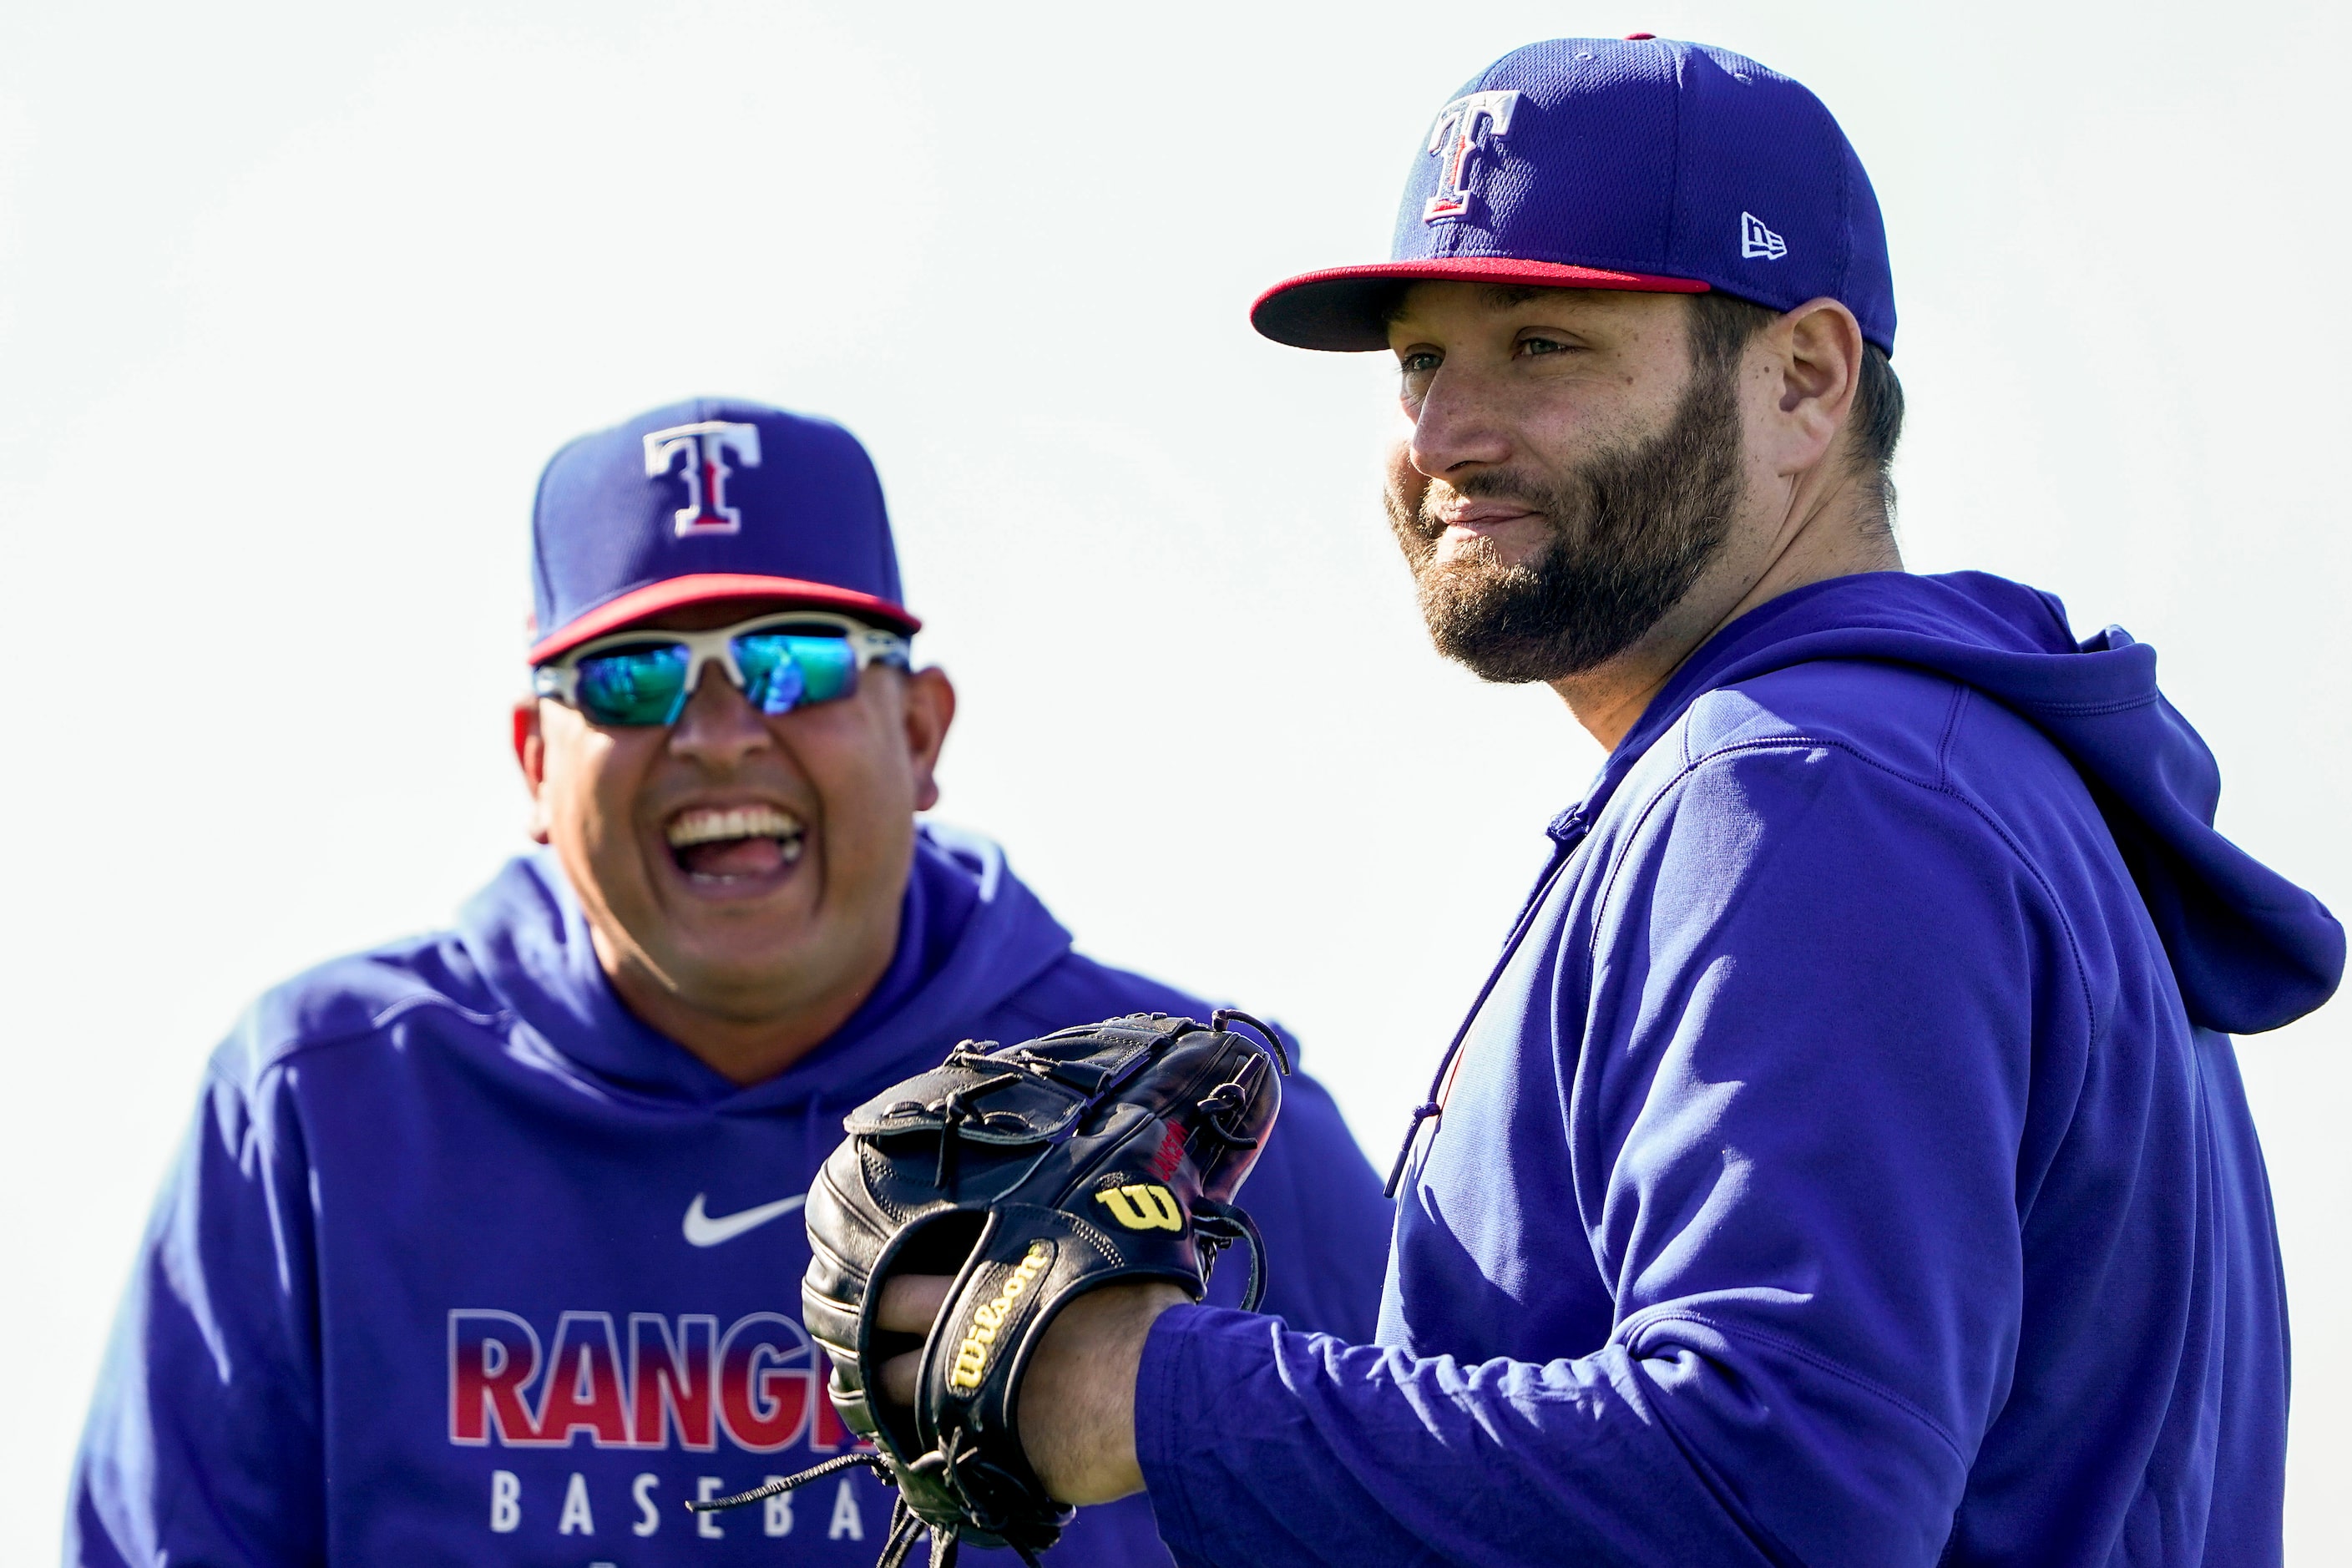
(1456, 428)
(720, 727)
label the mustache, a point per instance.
(1417, 503)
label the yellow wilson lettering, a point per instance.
(972, 1355)
(1144, 1205)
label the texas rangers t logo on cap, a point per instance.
(1463, 127)
(706, 472)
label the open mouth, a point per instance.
(733, 844)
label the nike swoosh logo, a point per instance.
(702, 1230)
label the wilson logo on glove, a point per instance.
(1145, 1206)
(972, 1356)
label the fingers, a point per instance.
(900, 1374)
(909, 1304)
(910, 1301)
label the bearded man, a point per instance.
(1847, 1161)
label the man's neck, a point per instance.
(1836, 533)
(761, 1038)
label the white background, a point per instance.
(294, 301)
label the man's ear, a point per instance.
(1819, 350)
(531, 755)
(930, 708)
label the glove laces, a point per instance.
(907, 1526)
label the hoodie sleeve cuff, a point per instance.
(1199, 1367)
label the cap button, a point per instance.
(1637, 37)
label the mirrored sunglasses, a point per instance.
(780, 663)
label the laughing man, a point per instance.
(472, 1254)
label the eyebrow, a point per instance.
(1504, 296)
(1493, 297)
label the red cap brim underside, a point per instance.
(1343, 309)
(718, 587)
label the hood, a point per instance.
(2249, 950)
(971, 935)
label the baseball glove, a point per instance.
(1105, 1153)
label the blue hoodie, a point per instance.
(463, 1264)
(1846, 1162)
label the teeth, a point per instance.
(709, 825)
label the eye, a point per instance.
(1419, 362)
(1529, 347)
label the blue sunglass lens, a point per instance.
(634, 685)
(784, 670)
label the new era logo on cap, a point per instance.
(1756, 241)
(703, 502)
(1633, 164)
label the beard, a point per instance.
(1631, 529)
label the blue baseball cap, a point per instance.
(703, 502)
(1639, 163)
